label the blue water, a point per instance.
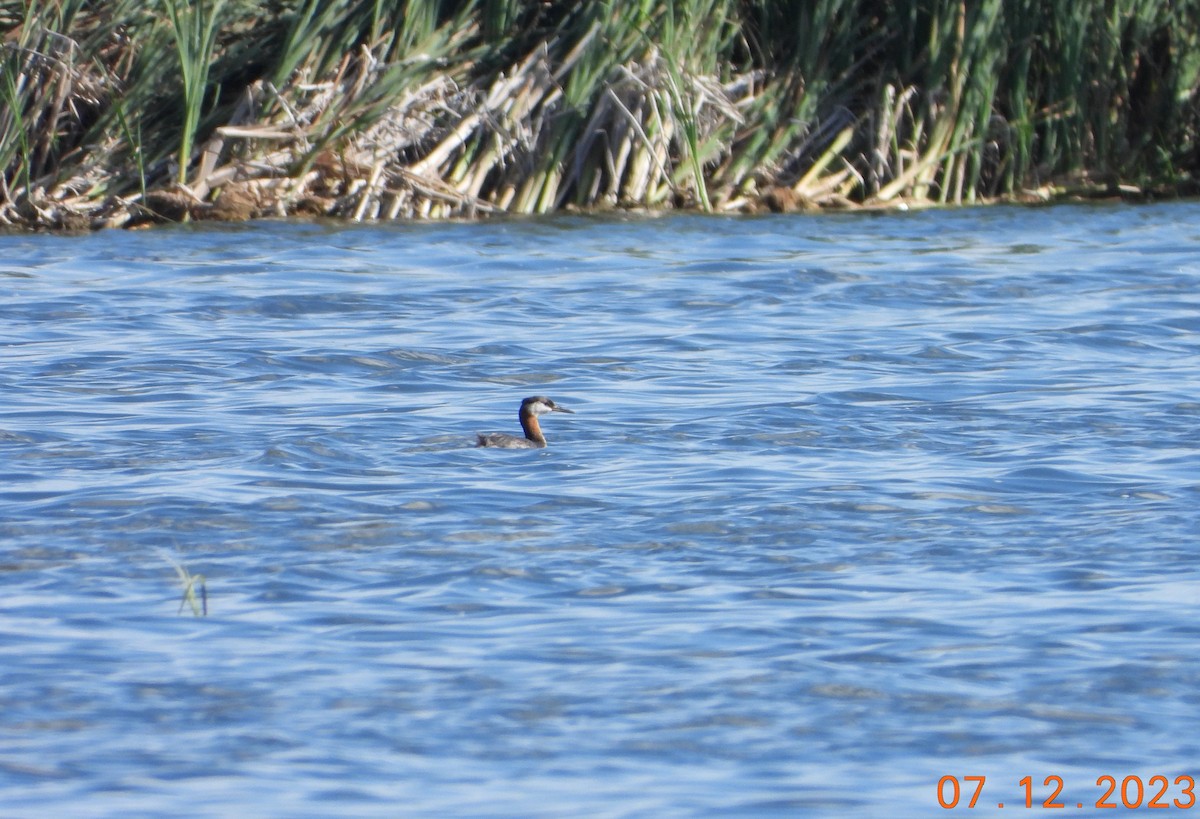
(848, 503)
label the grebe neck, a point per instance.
(532, 429)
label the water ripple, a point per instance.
(848, 503)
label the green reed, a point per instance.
(195, 587)
(195, 26)
(432, 108)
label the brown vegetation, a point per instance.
(115, 114)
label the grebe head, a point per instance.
(531, 408)
(540, 404)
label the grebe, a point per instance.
(531, 408)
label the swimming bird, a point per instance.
(531, 408)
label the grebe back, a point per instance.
(531, 408)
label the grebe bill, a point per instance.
(531, 408)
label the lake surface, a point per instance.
(848, 504)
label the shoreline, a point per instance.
(166, 207)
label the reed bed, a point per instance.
(126, 112)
